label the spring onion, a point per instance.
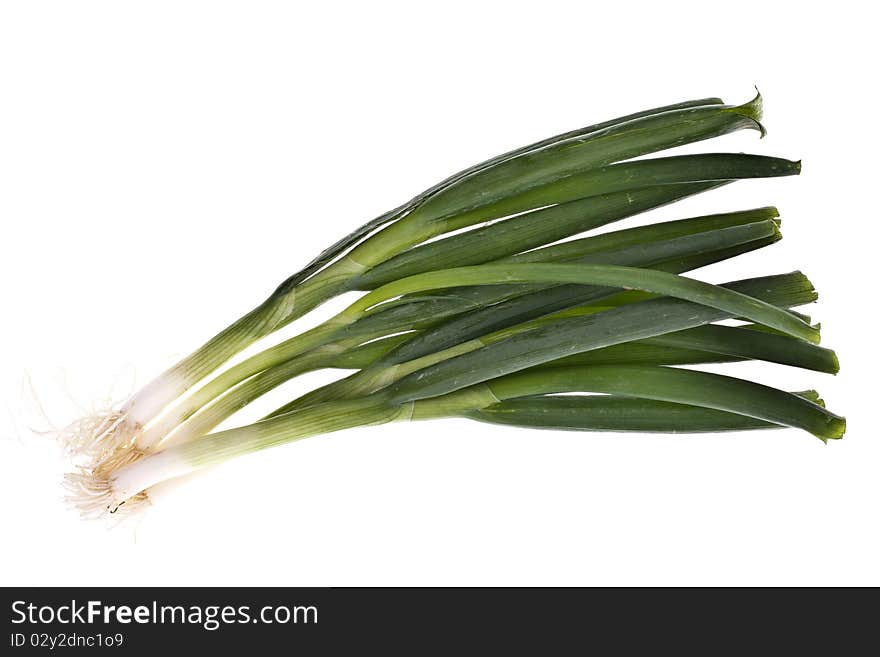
(515, 319)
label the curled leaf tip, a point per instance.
(754, 110)
(760, 128)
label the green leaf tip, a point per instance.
(771, 212)
(802, 279)
(836, 429)
(835, 425)
(835, 364)
(753, 110)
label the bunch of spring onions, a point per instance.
(496, 322)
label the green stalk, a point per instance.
(543, 302)
(678, 386)
(704, 389)
(338, 248)
(396, 319)
(639, 352)
(705, 294)
(221, 446)
(643, 352)
(465, 203)
(744, 342)
(523, 303)
(584, 201)
(785, 290)
(200, 422)
(633, 247)
(527, 231)
(629, 237)
(569, 336)
(363, 355)
(612, 413)
(486, 192)
(639, 254)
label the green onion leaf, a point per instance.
(683, 386)
(614, 413)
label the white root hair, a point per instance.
(99, 436)
(101, 442)
(91, 491)
(101, 430)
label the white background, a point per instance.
(163, 165)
